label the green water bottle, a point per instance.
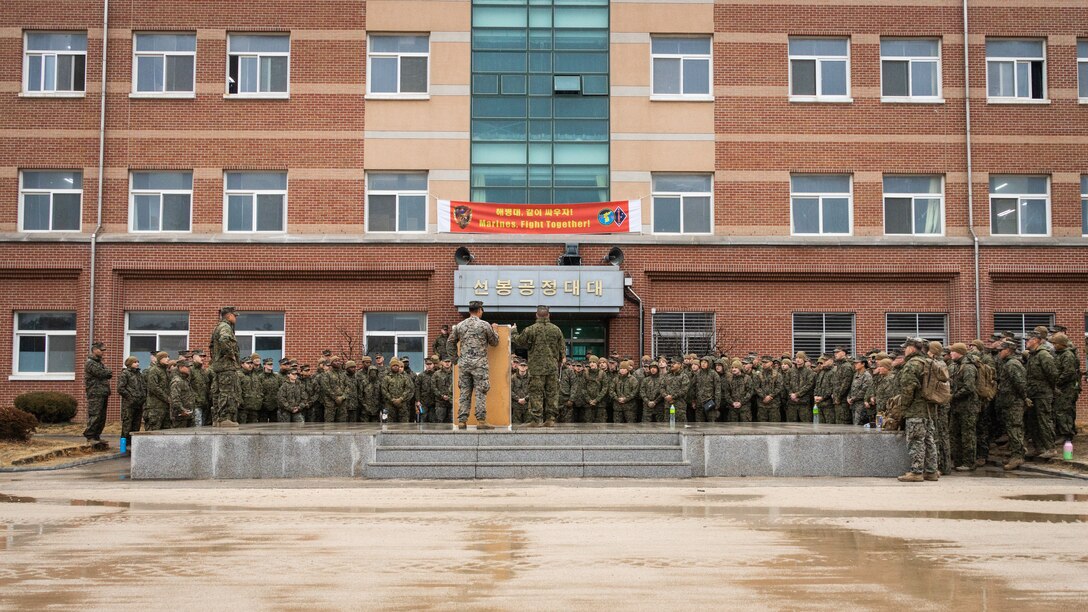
(672, 416)
(1067, 450)
(815, 414)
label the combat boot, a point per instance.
(462, 425)
(226, 423)
(483, 426)
(964, 468)
(549, 423)
(932, 476)
(1013, 463)
(980, 463)
(534, 424)
(911, 477)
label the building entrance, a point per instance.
(582, 335)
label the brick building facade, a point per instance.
(231, 101)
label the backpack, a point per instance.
(936, 388)
(986, 383)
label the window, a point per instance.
(51, 201)
(900, 326)
(1084, 207)
(258, 64)
(55, 63)
(1019, 205)
(1082, 69)
(45, 345)
(261, 333)
(680, 333)
(1015, 70)
(161, 201)
(914, 205)
(396, 202)
(817, 333)
(151, 332)
(397, 334)
(819, 69)
(821, 204)
(681, 67)
(398, 65)
(910, 69)
(256, 201)
(682, 203)
(164, 64)
(1019, 323)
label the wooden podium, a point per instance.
(498, 398)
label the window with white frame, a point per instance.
(396, 202)
(163, 64)
(51, 201)
(902, 325)
(45, 344)
(397, 334)
(680, 333)
(1082, 70)
(258, 64)
(1019, 205)
(1084, 208)
(55, 63)
(910, 69)
(681, 67)
(398, 65)
(821, 204)
(682, 203)
(161, 202)
(262, 333)
(914, 205)
(1015, 70)
(817, 333)
(256, 201)
(1020, 323)
(154, 331)
(819, 69)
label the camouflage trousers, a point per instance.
(798, 413)
(286, 416)
(625, 413)
(1065, 413)
(544, 397)
(921, 445)
(156, 418)
(843, 414)
(593, 414)
(1012, 415)
(652, 414)
(738, 415)
(985, 426)
(226, 395)
(518, 412)
(964, 430)
(335, 413)
(566, 412)
(943, 424)
(96, 415)
(472, 380)
(131, 418)
(1039, 423)
(768, 413)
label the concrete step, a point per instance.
(554, 437)
(528, 454)
(468, 470)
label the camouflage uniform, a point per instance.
(270, 403)
(226, 387)
(470, 339)
(740, 390)
(425, 393)
(652, 392)
(568, 392)
(768, 382)
(182, 401)
(799, 381)
(593, 389)
(398, 390)
(625, 390)
(132, 388)
(860, 389)
(1042, 374)
(884, 389)
(200, 382)
(519, 390)
(96, 382)
(441, 346)
(547, 350)
(157, 413)
(334, 395)
(824, 388)
(919, 413)
(1012, 389)
(987, 422)
(843, 377)
(292, 400)
(252, 397)
(372, 396)
(707, 388)
(964, 411)
(1066, 393)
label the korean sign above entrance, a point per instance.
(591, 289)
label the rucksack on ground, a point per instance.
(936, 388)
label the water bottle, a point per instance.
(672, 416)
(124, 445)
(385, 416)
(1067, 450)
(815, 414)
(880, 421)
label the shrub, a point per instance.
(48, 406)
(16, 425)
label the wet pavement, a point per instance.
(90, 538)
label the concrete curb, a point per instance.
(62, 466)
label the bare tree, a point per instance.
(347, 344)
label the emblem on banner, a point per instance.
(463, 214)
(620, 216)
(605, 216)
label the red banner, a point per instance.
(591, 218)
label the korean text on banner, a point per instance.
(590, 218)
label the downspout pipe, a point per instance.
(641, 320)
(970, 173)
(101, 167)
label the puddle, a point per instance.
(15, 499)
(723, 497)
(1057, 497)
